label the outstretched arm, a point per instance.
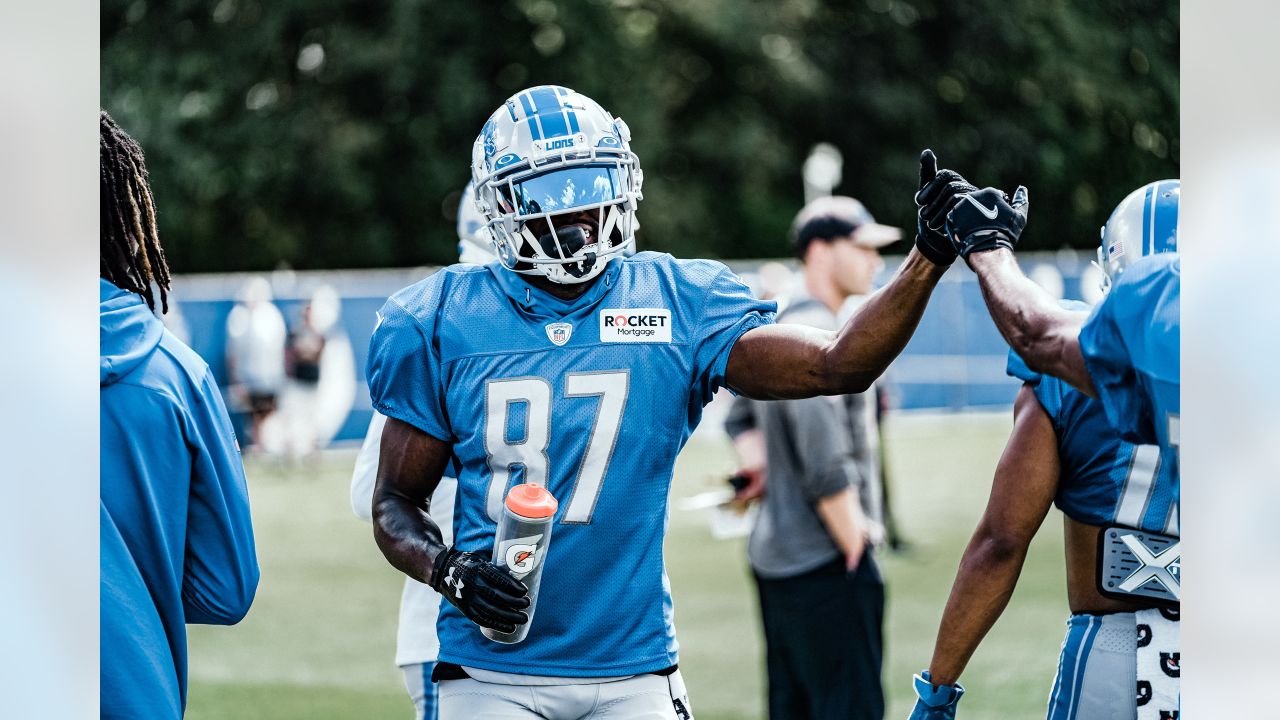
(1025, 483)
(1045, 335)
(777, 362)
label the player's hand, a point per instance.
(938, 192)
(986, 220)
(935, 703)
(484, 592)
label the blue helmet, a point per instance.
(1144, 223)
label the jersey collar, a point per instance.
(541, 305)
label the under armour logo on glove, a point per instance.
(496, 600)
(454, 583)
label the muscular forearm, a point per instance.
(984, 583)
(1040, 330)
(862, 350)
(406, 534)
(789, 361)
(410, 466)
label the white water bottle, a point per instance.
(524, 534)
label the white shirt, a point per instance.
(416, 639)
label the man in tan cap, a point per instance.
(821, 594)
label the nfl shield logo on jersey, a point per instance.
(559, 333)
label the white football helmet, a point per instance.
(550, 152)
(1144, 223)
(475, 244)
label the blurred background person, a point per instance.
(303, 349)
(175, 537)
(417, 644)
(821, 592)
(776, 280)
(878, 402)
(319, 389)
(255, 354)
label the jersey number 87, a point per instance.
(501, 397)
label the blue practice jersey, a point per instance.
(1130, 348)
(1104, 480)
(594, 398)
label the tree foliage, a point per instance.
(337, 133)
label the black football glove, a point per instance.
(937, 194)
(986, 220)
(483, 591)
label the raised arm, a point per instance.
(789, 361)
(779, 362)
(1045, 335)
(984, 226)
(1025, 483)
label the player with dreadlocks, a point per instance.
(132, 258)
(176, 546)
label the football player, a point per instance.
(570, 366)
(1064, 452)
(416, 642)
(1125, 352)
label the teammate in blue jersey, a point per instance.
(1126, 352)
(567, 365)
(1064, 451)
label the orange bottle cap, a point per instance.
(531, 501)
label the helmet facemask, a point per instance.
(565, 223)
(557, 183)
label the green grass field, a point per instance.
(319, 641)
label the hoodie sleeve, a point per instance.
(221, 573)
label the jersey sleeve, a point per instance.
(728, 309)
(1107, 341)
(404, 371)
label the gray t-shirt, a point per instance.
(815, 447)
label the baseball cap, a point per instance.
(827, 218)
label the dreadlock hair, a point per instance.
(131, 256)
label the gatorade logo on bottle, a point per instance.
(521, 555)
